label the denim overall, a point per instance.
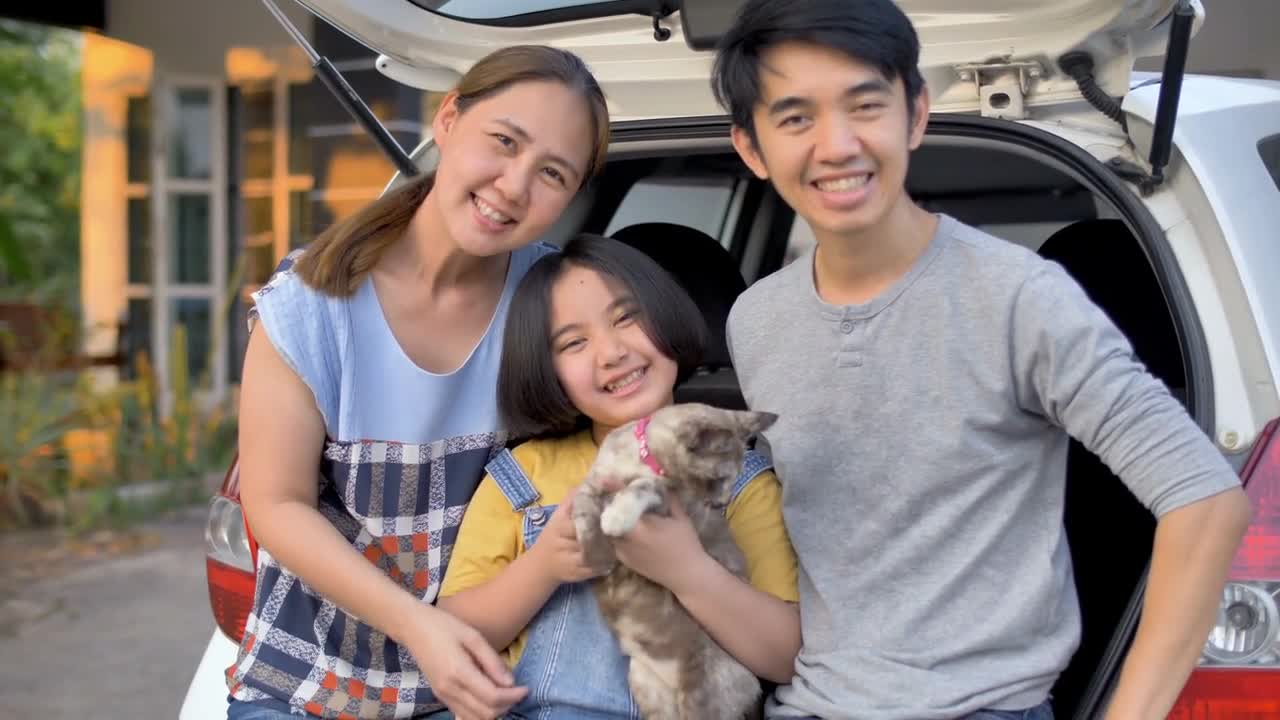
(572, 664)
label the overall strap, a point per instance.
(753, 464)
(512, 481)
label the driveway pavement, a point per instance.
(110, 626)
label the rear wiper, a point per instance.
(347, 96)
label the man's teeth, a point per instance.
(625, 381)
(843, 184)
(490, 212)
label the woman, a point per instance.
(368, 405)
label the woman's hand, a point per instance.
(665, 549)
(465, 673)
(557, 549)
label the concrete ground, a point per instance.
(108, 626)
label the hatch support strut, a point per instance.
(347, 96)
(1175, 68)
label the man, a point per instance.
(927, 376)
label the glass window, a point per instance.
(194, 315)
(189, 215)
(1269, 149)
(258, 107)
(700, 203)
(238, 335)
(137, 334)
(300, 232)
(259, 240)
(138, 139)
(190, 156)
(491, 9)
(299, 143)
(140, 241)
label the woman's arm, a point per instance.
(502, 605)
(281, 438)
(757, 628)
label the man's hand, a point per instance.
(557, 548)
(665, 549)
(1189, 562)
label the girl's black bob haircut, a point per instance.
(530, 399)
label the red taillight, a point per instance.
(1259, 556)
(1239, 674)
(230, 597)
(231, 558)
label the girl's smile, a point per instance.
(626, 384)
(603, 356)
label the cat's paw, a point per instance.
(621, 515)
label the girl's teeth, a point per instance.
(843, 184)
(614, 386)
(489, 212)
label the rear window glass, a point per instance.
(498, 9)
(1269, 149)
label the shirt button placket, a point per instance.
(851, 345)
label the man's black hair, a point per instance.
(875, 32)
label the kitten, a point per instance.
(693, 453)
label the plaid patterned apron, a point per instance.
(399, 505)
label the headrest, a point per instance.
(702, 267)
(1106, 260)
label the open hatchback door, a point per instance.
(653, 57)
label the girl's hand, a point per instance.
(665, 549)
(557, 548)
(465, 673)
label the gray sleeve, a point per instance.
(728, 334)
(1072, 366)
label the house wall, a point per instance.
(192, 36)
(112, 71)
(239, 47)
(1239, 37)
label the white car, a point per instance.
(1185, 256)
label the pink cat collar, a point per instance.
(645, 456)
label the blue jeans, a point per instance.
(259, 710)
(276, 710)
(1043, 711)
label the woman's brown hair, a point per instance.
(340, 258)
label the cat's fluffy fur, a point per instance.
(677, 671)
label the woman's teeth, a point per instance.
(624, 382)
(489, 212)
(843, 184)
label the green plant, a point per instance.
(40, 131)
(35, 411)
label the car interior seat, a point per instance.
(710, 275)
(1109, 532)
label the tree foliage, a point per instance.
(40, 135)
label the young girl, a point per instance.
(599, 335)
(368, 406)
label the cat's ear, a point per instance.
(753, 422)
(707, 429)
